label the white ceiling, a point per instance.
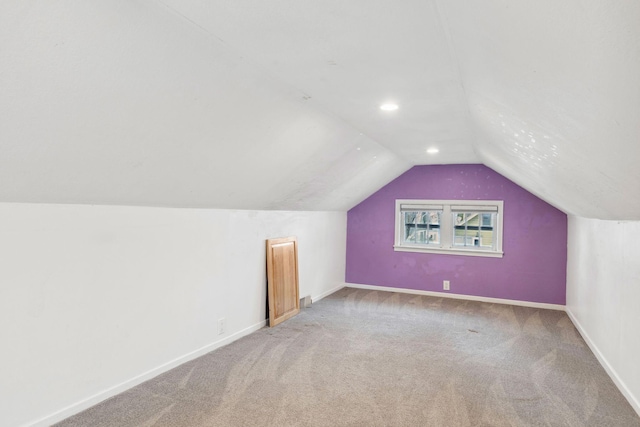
(553, 89)
(274, 104)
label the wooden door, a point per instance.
(282, 279)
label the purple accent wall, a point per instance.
(535, 239)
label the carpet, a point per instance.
(373, 358)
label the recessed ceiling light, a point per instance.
(433, 151)
(389, 107)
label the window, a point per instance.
(458, 227)
(422, 227)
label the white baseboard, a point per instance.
(633, 401)
(327, 293)
(119, 388)
(459, 296)
(112, 391)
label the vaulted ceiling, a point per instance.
(262, 104)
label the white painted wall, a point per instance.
(603, 291)
(94, 299)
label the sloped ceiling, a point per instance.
(274, 104)
(553, 89)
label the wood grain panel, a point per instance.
(282, 279)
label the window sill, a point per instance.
(444, 251)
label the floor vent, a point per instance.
(305, 302)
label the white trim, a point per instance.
(633, 401)
(446, 226)
(459, 296)
(436, 250)
(457, 202)
(327, 293)
(139, 379)
(419, 207)
(476, 208)
(112, 391)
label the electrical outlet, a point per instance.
(221, 325)
(445, 285)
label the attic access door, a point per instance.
(282, 279)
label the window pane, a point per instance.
(434, 218)
(434, 228)
(474, 230)
(486, 239)
(421, 227)
(409, 219)
(458, 238)
(487, 219)
(487, 232)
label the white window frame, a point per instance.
(447, 226)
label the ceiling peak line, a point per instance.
(455, 61)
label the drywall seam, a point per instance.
(633, 401)
(139, 379)
(542, 305)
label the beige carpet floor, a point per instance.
(370, 358)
